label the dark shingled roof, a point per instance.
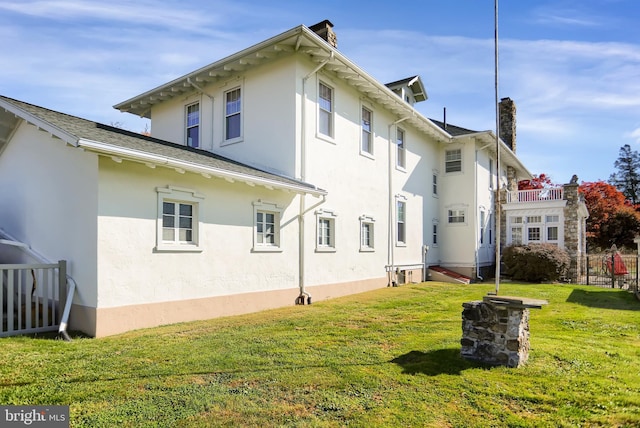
(454, 131)
(93, 131)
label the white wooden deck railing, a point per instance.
(33, 297)
(536, 195)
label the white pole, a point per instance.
(497, 106)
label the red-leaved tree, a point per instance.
(612, 219)
(541, 181)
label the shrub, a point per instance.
(535, 262)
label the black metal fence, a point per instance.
(610, 269)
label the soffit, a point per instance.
(299, 40)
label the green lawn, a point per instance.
(385, 358)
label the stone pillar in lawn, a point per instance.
(495, 330)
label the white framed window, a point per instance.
(192, 120)
(325, 110)
(178, 221)
(325, 231)
(233, 115)
(434, 234)
(434, 184)
(266, 228)
(366, 141)
(516, 235)
(401, 221)
(533, 234)
(552, 233)
(483, 226)
(367, 233)
(401, 157)
(534, 219)
(453, 161)
(456, 216)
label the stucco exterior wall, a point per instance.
(132, 272)
(49, 201)
(268, 99)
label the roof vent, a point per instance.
(324, 29)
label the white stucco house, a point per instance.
(281, 174)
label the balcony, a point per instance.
(536, 195)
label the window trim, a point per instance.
(330, 216)
(178, 195)
(226, 141)
(368, 153)
(401, 149)
(331, 113)
(435, 184)
(187, 127)
(366, 220)
(447, 161)
(457, 211)
(260, 206)
(401, 200)
(434, 232)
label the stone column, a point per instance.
(573, 229)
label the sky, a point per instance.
(572, 67)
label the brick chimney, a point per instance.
(508, 122)
(324, 29)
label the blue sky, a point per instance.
(571, 66)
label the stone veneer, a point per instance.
(497, 333)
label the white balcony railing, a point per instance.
(536, 195)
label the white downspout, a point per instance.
(390, 247)
(303, 176)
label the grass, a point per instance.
(390, 357)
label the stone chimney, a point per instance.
(324, 29)
(508, 122)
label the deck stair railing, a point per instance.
(33, 298)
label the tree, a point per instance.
(627, 176)
(541, 181)
(612, 219)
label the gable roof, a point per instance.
(414, 83)
(299, 40)
(488, 138)
(121, 144)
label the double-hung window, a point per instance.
(400, 154)
(453, 160)
(456, 216)
(434, 231)
(178, 224)
(193, 125)
(233, 114)
(326, 230)
(401, 222)
(366, 233)
(434, 184)
(366, 145)
(325, 110)
(266, 235)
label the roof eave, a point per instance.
(180, 165)
(40, 123)
(490, 138)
